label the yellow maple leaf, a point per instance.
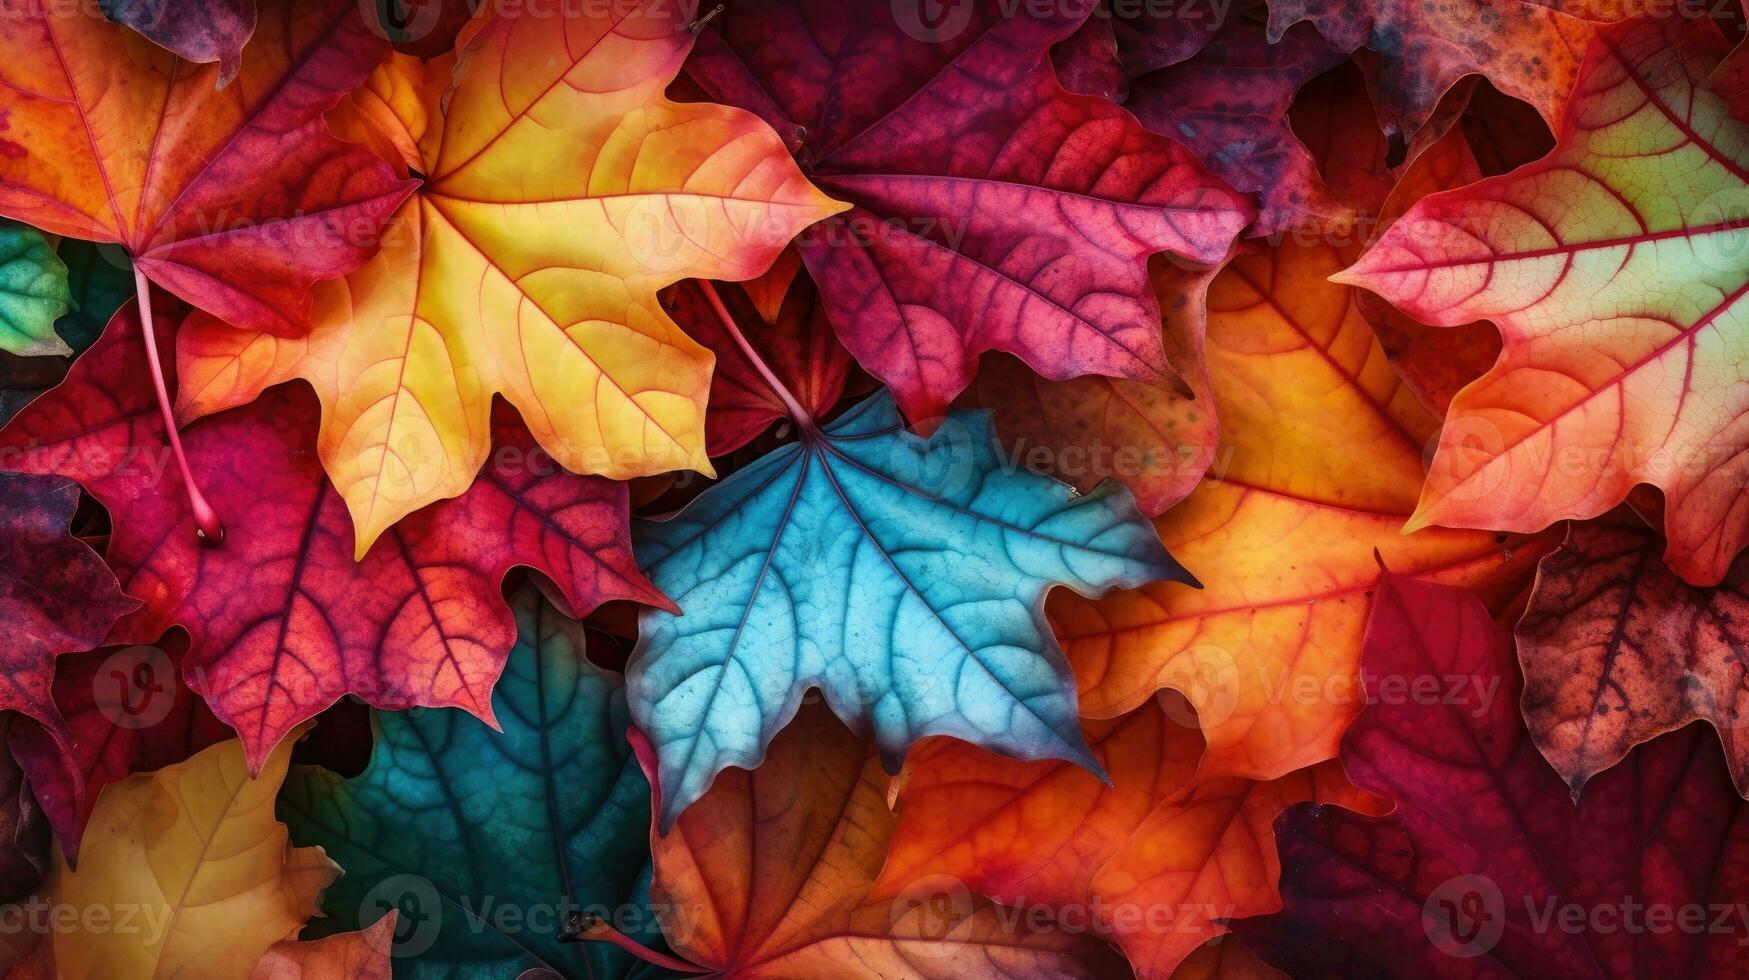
(185, 872)
(562, 191)
(1289, 533)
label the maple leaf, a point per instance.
(797, 344)
(537, 282)
(1228, 101)
(194, 850)
(282, 619)
(1153, 840)
(902, 576)
(1322, 467)
(235, 200)
(777, 864)
(1020, 224)
(199, 31)
(33, 292)
(1485, 845)
(1529, 49)
(1157, 439)
(238, 201)
(1604, 381)
(362, 955)
(127, 710)
(1618, 650)
(456, 822)
(56, 594)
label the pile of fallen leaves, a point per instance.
(812, 488)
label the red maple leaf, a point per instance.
(1487, 867)
(282, 620)
(1021, 223)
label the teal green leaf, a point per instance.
(33, 292)
(903, 577)
(99, 280)
(487, 841)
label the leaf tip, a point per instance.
(365, 532)
(657, 599)
(1416, 521)
(702, 465)
(486, 715)
(1080, 754)
(831, 206)
(1354, 275)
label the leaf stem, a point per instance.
(698, 25)
(593, 928)
(796, 411)
(206, 520)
